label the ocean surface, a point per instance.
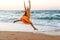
(49, 18)
(38, 17)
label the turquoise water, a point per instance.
(46, 21)
(38, 17)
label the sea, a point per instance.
(50, 18)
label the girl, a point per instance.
(26, 17)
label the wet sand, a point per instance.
(26, 36)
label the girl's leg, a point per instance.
(16, 21)
(33, 27)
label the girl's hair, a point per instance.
(25, 13)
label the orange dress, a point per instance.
(25, 20)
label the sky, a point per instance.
(35, 4)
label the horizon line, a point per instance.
(44, 9)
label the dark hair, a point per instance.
(25, 13)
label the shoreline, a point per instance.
(8, 35)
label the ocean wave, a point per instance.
(38, 17)
(48, 18)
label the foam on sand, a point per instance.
(28, 28)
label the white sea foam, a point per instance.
(28, 28)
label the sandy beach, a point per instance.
(10, 31)
(5, 35)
